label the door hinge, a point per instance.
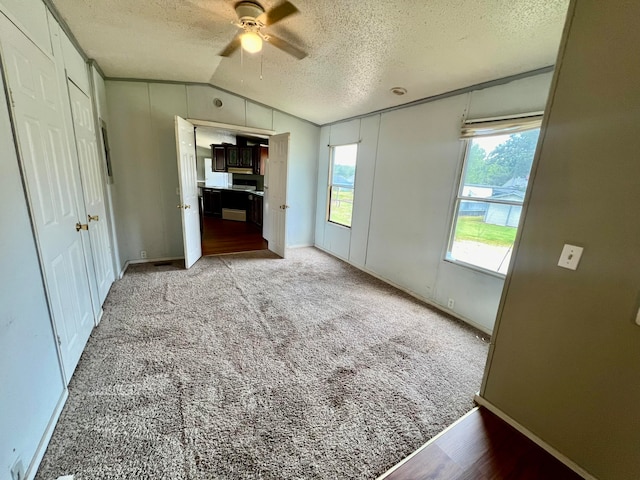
(59, 341)
(13, 102)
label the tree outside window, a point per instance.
(489, 203)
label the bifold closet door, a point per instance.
(53, 188)
(92, 188)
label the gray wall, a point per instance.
(409, 161)
(30, 375)
(566, 359)
(141, 127)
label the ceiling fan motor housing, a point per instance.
(248, 12)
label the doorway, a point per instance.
(231, 167)
(224, 173)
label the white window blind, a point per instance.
(501, 126)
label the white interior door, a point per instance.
(277, 193)
(189, 204)
(92, 188)
(53, 186)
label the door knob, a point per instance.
(81, 226)
(95, 218)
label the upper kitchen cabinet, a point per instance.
(259, 116)
(233, 157)
(246, 157)
(204, 104)
(260, 161)
(219, 158)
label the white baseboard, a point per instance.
(146, 260)
(302, 245)
(534, 438)
(123, 271)
(153, 260)
(46, 437)
(413, 294)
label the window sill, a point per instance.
(329, 222)
(475, 268)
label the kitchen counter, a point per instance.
(246, 190)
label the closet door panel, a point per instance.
(53, 187)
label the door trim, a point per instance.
(230, 127)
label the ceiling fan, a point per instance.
(252, 18)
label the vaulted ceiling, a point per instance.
(358, 49)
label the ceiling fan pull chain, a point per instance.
(261, 62)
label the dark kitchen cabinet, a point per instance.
(211, 202)
(236, 200)
(219, 158)
(256, 209)
(261, 154)
(233, 156)
(246, 157)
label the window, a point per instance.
(494, 180)
(342, 177)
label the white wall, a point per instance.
(301, 177)
(145, 169)
(409, 161)
(201, 154)
(30, 378)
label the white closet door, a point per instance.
(53, 187)
(92, 188)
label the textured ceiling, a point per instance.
(357, 50)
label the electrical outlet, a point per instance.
(451, 303)
(143, 254)
(17, 471)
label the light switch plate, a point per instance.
(570, 257)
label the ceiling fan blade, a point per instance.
(287, 47)
(277, 13)
(231, 47)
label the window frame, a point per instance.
(331, 185)
(459, 197)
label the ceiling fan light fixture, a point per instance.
(251, 42)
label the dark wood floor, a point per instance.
(228, 236)
(481, 447)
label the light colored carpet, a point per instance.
(251, 367)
